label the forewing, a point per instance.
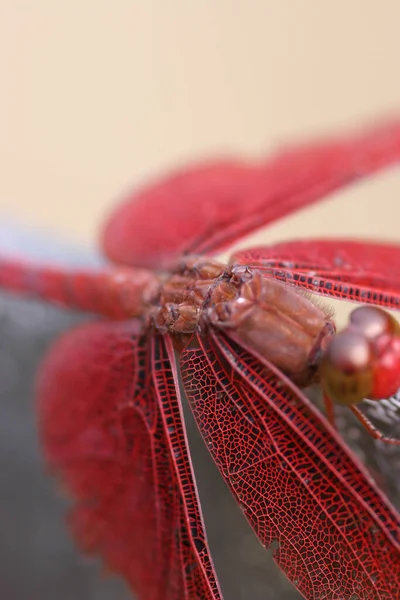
(205, 208)
(102, 391)
(356, 270)
(297, 484)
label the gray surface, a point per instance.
(37, 557)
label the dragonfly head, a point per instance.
(354, 358)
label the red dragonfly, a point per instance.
(244, 338)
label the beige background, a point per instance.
(98, 95)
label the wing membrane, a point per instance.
(356, 270)
(205, 208)
(198, 571)
(295, 481)
(104, 433)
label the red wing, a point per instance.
(102, 392)
(183, 205)
(295, 480)
(354, 270)
(206, 208)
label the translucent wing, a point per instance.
(112, 430)
(205, 208)
(296, 482)
(349, 269)
(387, 411)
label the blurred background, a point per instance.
(98, 96)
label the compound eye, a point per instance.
(346, 368)
(372, 322)
(349, 351)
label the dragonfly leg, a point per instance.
(330, 410)
(372, 430)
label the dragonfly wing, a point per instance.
(296, 482)
(205, 208)
(194, 557)
(356, 270)
(105, 435)
(183, 205)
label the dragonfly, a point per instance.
(240, 340)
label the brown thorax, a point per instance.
(272, 318)
(196, 284)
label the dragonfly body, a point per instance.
(274, 319)
(243, 338)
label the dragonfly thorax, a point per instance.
(194, 286)
(272, 318)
